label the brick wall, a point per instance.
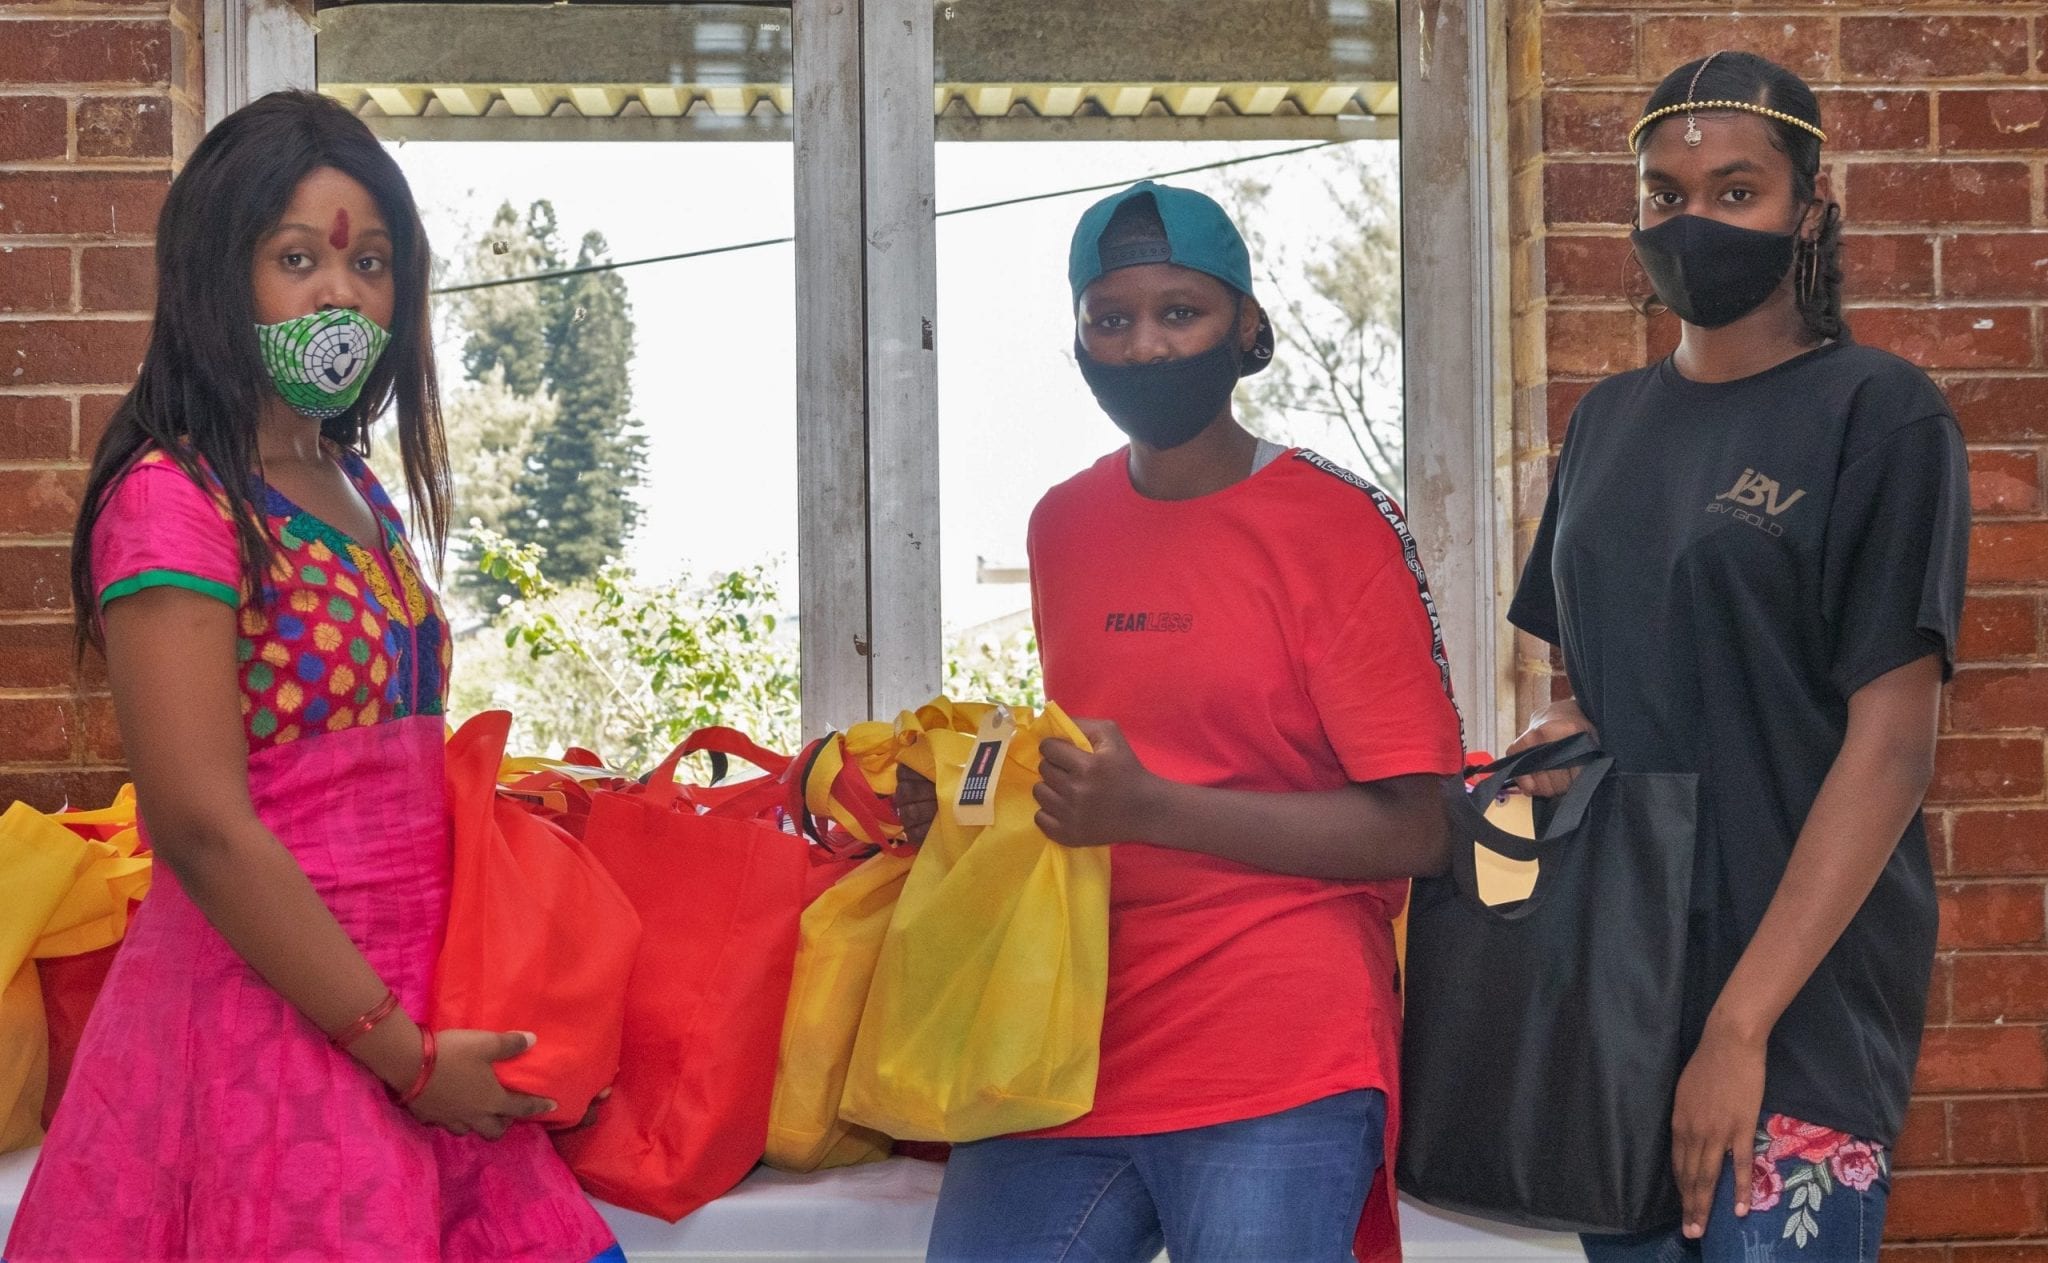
(1938, 116)
(96, 102)
(1939, 110)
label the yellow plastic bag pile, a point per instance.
(66, 895)
(951, 995)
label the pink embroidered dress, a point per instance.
(206, 1118)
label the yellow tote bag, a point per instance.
(842, 935)
(985, 1013)
(835, 959)
(94, 912)
(24, 1059)
(66, 895)
(40, 862)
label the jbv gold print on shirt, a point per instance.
(1755, 491)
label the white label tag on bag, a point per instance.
(975, 804)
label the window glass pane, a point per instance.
(709, 399)
(1289, 108)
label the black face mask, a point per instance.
(1710, 273)
(1164, 405)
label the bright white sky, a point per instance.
(713, 381)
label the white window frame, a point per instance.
(867, 387)
(1457, 370)
(253, 47)
(867, 379)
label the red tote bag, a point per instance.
(539, 938)
(719, 890)
(70, 986)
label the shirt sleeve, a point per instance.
(158, 528)
(1897, 549)
(1382, 684)
(1534, 608)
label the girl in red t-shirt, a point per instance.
(1249, 627)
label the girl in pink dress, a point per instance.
(254, 1082)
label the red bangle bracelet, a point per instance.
(362, 1026)
(419, 1085)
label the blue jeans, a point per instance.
(1829, 1222)
(1288, 1186)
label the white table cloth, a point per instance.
(882, 1212)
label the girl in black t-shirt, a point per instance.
(1753, 560)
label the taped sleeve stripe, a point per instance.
(1391, 512)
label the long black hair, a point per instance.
(203, 384)
(1739, 76)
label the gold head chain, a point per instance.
(1691, 105)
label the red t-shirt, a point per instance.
(1276, 635)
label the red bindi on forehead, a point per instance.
(338, 235)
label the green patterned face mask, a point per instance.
(320, 361)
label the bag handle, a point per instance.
(873, 817)
(1576, 751)
(850, 789)
(719, 742)
(1551, 756)
(783, 787)
(1468, 812)
(535, 784)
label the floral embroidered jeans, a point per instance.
(1816, 1196)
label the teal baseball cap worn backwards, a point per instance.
(1198, 234)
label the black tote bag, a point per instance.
(1542, 1038)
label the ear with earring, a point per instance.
(1807, 264)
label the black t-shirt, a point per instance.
(1724, 565)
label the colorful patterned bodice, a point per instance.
(343, 635)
